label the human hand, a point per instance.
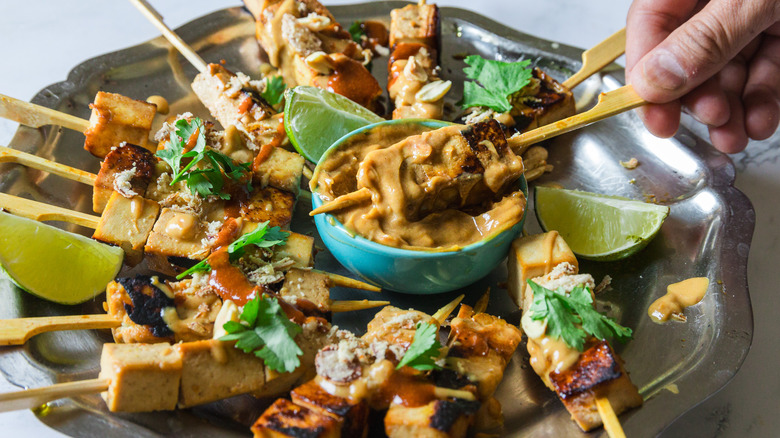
(717, 59)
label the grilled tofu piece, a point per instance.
(299, 248)
(396, 326)
(142, 377)
(269, 204)
(350, 413)
(544, 102)
(598, 373)
(214, 370)
(307, 289)
(127, 223)
(278, 168)
(127, 169)
(139, 303)
(286, 419)
(180, 234)
(437, 419)
(231, 98)
(116, 119)
(304, 41)
(413, 84)
(530, 257)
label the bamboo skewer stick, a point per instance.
(482, 302)
(442, 314)
(609, 104)
(33, 398)
(35, 116)
(157, 20)
(351, 305)
(598, 57)
(340, 280)
(38, 211)
(609, 419)
(8, 155)
(18, 331)
(344, 201)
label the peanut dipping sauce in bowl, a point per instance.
(434, 222)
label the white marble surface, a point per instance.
(43, 39)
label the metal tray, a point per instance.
(708, 233)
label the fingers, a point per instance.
(708, 103)
(731, 137)
(762, 90)
(661, 119)
(649, 22)
(700, 47)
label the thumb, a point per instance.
(700, 47)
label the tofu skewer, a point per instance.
(593, 384)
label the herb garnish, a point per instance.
(356, 31)
(572, 318)
(265, 331)
(261, 237)
(274, 90)
(494, 82)
(208, 181)
(424, 350)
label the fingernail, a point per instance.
(662, 70)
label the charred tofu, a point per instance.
(142, 377)
(196, 308)
(286, 419)
(530, 257)
(231, 98)
(414, 86)
(306, 288)
(116, 119)
(351, 414)
(127, 169)
(269, 204)
(140, 303)
(542, 103)
(437, 419)
(213, 370)
(307, 45)
(396, 326)
(598, 373)
(127, 223)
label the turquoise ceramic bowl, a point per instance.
(405, 270)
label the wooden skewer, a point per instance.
(609, 104)
(307, 173)
(440, 392)
(33, 398)
(441, 315)
(609, 419)
(340, 280)
(18, 331)
(598, 57)
(38, 211)
(352, 305)
(482, 302)
(35, 116)
(344, 201)
(8, 155)
(157, 20)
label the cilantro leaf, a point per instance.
(202, 266)
(356, 31)
(262, 237)
(274, 90)
(266, 332)
(424, 350)
(572, 318)
(494, 82)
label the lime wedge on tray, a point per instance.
(598, 227)
(315, 118)
(54, 264)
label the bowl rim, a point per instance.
(367, 244)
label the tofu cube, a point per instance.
(530, 257)
(214, 370)
(129, 168)
(437, 419)
(116, 119)
(302, 284)
(142, 377)
(279, 168)
(269, 204)
(299, 247)
(179, 234)
(127, 223)
(415, 24)
(286, 419)
(352, 414)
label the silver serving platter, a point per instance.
(708, 233)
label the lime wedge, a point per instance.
(315, 118)
(598, 227)
(53, 264)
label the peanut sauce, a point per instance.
(679, 296)
(406, 388)
(376, 34)
(398, 212)
(182, 226)
(351, 79)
